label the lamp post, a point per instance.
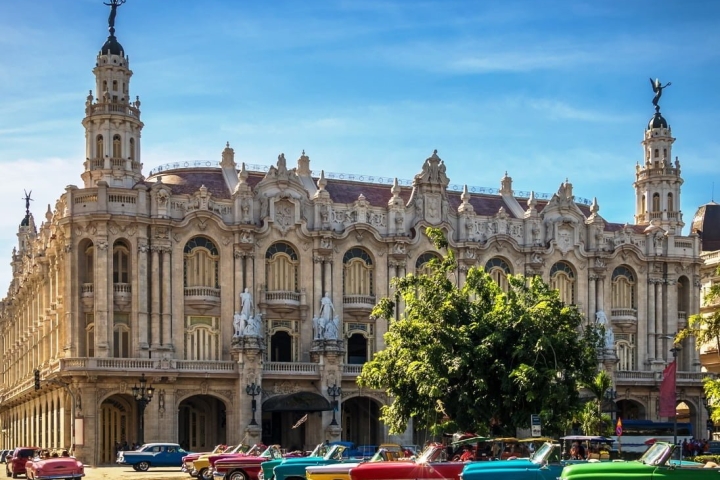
(143, 395)
(253, 390)
(334, 391)
(675, 350)
(710, 425)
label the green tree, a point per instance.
(474, 357)
(705, 327)
(592, 420)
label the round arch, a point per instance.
(117, 426)
(361, 420)
(201, 422)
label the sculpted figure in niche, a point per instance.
(254, 326)
(327, 309)
(318, 328)
(238, 325)
(246, 302)
(332, 329)
(602, 322)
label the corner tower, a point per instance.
(658, 181)
(112, 122)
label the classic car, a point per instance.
(153, 455)
(296, 468)
(657, 462)
(242, 466)
(15, 461)
(200, 467)
(432, 463)
(545, 464)
(341, 471)
(188, 459)
(267, 468)
(54, 468)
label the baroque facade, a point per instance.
(211, 279)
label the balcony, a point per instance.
(87, 296)
(282, 300)
(653, 378)
(291, 369)
(358, 304)
(352, 370)
(624, 317)
(121, 294)
(202, 298)
(147, 365)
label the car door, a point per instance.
(685, 473)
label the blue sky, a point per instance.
(546, 90)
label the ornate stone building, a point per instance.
(211, 279)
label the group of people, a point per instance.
(54, 453)
(695, 447)
(124, 446)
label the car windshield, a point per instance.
(547, 453)
(335, 452)
(655, 454)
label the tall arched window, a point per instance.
(357, 349)
(623, 289)
(643, 205)
(201, 263)
(132, 149)
(281, 264)
(121, 263)
(626, 354)
(99, 147)
(121, 336)
(117, 147)
(357, 272)
(498, 269)
(562, 278)
(202, 338)
(656, 202)
(670, 203)
(87, 262)
(422, 264)
(281, 347)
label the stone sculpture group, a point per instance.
(245, 323)
(326, 324)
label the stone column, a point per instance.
(166, 299)
(651, 320)
(327, 276)
(102, 291)
(155, 299)
(601, 293)
(659, 320)
(140, 290)
(592, 293)
(238, 277)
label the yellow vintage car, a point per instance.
(200, 466)
(187, 466)
(388, 452)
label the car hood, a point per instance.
(334, 468)
(520, 464)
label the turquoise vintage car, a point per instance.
(545, 464)
(656, 463)
(296, 470)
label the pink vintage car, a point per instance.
(54, 468)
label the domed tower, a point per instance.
(112, 122)
(658, 181)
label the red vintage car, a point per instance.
(242, 467)
(54, 468)
(16, 460)
(432, 463)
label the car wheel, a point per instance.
(143, 466)
(237, 475)
(205, 474)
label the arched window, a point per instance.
(116, 147)
(665, 153)
(121, 263)
(132, 149)
(562, 278)
(121, 336)
(657, 153)
(201, 263)
(99, 147)
(202, 338)
(357, 272)
(626, 354)
(670, 203)
(281, 347)
(87, 263)
(643, 205)
(422, 264)
(656, 202)
(498, 269)
(105, 85)
(357, 349)
(115, 85)
(623, 288)
(281, 264)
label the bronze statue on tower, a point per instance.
(113, 12)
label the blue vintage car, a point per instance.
(545, 464)
(153, 455)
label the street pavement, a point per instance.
(126, 472)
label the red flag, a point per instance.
(667, 391)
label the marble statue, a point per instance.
(254, 326)
(326, 308)
(317, 328)
(238, 324)
(332, 329)
(246, 302)
(601, 320)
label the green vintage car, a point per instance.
(656, 463)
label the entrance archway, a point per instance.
(631, 410)
(361, 421)
(202, 423)
(282, 415)
(117, 426)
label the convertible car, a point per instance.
(54, 468)
(656, 462)
(431, 464)
(341, 471)
(545, 464)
